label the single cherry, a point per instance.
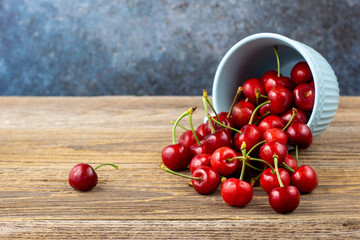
(218, 139)
(200, 160)
(299, 134)
(201, 130)
(250, 134)
(250, 87)
(275, 135)
(280, 99)
(236, 192)
(267, 75)
(188, 139)
(305, 179)
(290, 162)
(176, 156)
(304, 97)
(220, 163)
(242, 113)
(228, 121)
(300, 116)
(284, 199)
(268, 150)
(83, 177)
(271, 121)
(301, 73)
(269, 180)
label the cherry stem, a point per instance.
(294, 111)
(212, 108)
(255, 168)
(207, 112)
(163, 167)
(187, 112)
(287, 167)
(262, 117)
(259, 143)
(255, 110)
(110, 164)
(263, 96)
(223, 125)
(260, 160)
(277, 59)
(297, 154)
(193, 131)
(238, 93)
(173, 122)
(242, 169)
(277, 170)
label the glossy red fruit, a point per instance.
(304, 97)
(218, 139)
(275, 135)
(269, 180)
(304, 179)
(267, 75)
(188, 139)
(236, 192)
(300, 116)
(291, 162)
(176, 156)
(83, 177)
(269, 122)
(197, 150)
(284, 199)
(210, 180)
(250, 134)
(299, 134)
(199, 161)
(219, 161)
(280, 99)
(301, 73)
(223, 119)
(242, 113)
(264, 109)
(268, 150)
(201, 130)
(279, 81)
(249, 88)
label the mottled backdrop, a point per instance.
(114, 47)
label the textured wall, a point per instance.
(105, 47)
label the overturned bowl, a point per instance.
(253, 56)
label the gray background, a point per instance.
(107, 47)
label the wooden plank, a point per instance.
(42, 138)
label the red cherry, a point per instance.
(264, 109)
(299, 134)
(200, 160)
(271, 121)
(188, 139)
(267, 75)
(275, 135)
(218, 139)
(236, 192)
(278, 81)
(301, 73)
(305, 179)
(268, 150)
(284, 199)
(300, 116)
(242, 113)
(269, 180)
(304, 97)
(176, 156)
(197, 150)
(291, 162)
(201, 130)
(250, 134)
(219, 161)
(312, 84)
(280, 99)
(223, 119)
(210, 180)
(249, 88)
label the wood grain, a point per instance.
(42, 138)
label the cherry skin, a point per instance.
(275, 135)
(304, 97)
(284, 199)
(271, 121)
(242, 113)
(176, 156)
(268, 150)
(301, 73)
(218, 139)
(197, 150)
(188, 139)
(264, 109)
(223, 119)
(280, 99)
(219, 161)
(299, 134)
(279, 81)
(305, 179)
(200, 160)
(269, 180)
(210, 180)
(201, 130)
(300, 116)
(250, 134)
(267, 75)
(249, 88)
(291, 162)
(83, 177)
(236, 192)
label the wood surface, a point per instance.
(42, 138)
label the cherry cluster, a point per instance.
(249, 144)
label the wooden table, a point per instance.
(42, 138)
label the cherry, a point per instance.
(290, 162)
(312, 84)
(300, 116)
(250, 87)
(304, 97)
(268, 150)
(299, 134)
(201, 130)
(268, 179)
(220, 163)
(236, 192)
(280, 99)
(228, 121)
(200, 160)
(198, 149)
(242, 113)
(271, 121)
(267, 75)
(83, 177)
(305, 179)
(264, 109)
(284, 199)
(301, 73)
(188, 139)
(221, 138)
(250, 134)
(176, 156)
(275, 135)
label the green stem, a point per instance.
(187, 112)
(238, 93)
(193, 131)
(262, 117)
(294, 111)
(297, 154)
(287, 167)
(163, 167)
(179, 125)
(212, 108)
(243, 169)
(255, 110)
(251, 166)
(277, 59)
(263, 96)
(110, 164)
(206, 111)
(259, 143)
(277, 170)
(265, 162)
(223, 125)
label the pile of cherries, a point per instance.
(249, 143)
